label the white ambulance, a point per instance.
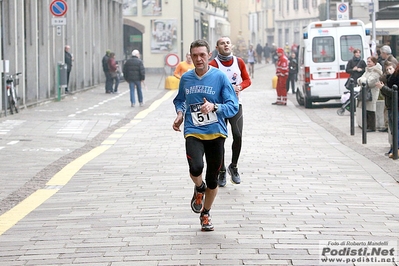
(325, 50)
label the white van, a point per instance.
(326, 48)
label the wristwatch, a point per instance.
(215, 108)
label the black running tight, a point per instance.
(213, 151)
(237, 123)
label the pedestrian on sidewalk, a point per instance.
(273, 52)
(287, 49)
(371, 77)
(384, 58)
(266, 53)
(387, 91)
(259, 51)
(251, 60)
(134, 74)
(292, 72)
(282, 76)
(106, 72)
(236, 71)
(68, 62)
(204, 100)
(113, 70)
(355, 67)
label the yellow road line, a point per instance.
(10, 218)
(154, 106)
(64, 176)
(13, 216)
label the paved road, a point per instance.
(91, 181)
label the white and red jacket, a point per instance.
(282, 69)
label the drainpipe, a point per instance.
(181, 29)
(373, 23)
(4, 92)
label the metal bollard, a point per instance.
(395, 122)
(364, 114)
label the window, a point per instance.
(296, 5)
(314, 3)
(305, 4)
(301, 56)
(349, 43)
(288, 6)
(323, 50)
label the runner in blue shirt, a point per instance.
(205, 99)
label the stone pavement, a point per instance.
(107, 184)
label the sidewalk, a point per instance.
(113, 187)
(45, 138)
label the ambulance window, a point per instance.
(301, 56)
(323, 50)
(348, 44)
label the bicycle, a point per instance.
(11, 82)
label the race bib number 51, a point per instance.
(200, 119)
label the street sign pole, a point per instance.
(373, 22)
(58, 9)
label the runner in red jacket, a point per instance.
(236, 71)
(282, 75)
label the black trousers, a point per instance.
(67, 81)
(291, 82)
(371, 120)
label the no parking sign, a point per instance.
(342, 11)
(58, 8)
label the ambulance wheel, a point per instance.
(308, 103)
(299, 98)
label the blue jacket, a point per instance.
(216, 88)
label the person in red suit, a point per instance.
(282, 72)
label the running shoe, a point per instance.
(197, 202)
(235, 177)
(206, 224)
(222, 179)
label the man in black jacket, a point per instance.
(292, 72)
(68, 62)
(134, 74)
(107, 73)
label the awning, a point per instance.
(385, 27)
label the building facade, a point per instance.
(271, 21)
(162, 27)
(158, 28)
(31, 44)
(291, 17)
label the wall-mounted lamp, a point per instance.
(166, 1)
